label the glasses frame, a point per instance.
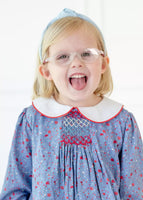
(94, 51)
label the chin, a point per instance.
(80, 98)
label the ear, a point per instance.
(105, 64)
(44, 71)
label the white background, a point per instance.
(21, 26)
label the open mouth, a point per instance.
(78, 81)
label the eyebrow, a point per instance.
(68, 51)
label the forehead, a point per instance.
(75, 40)
(76, 26)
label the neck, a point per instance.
(80, 103)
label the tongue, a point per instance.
(78, 83)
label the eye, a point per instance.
(62, 57)
(86, 54)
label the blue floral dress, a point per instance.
(61, 152)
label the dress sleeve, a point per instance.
(17, 183)
(131, 161)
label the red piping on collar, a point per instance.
(50, 116)
(79, 112)
(101, 121)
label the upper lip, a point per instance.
(77, 75)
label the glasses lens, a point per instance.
(62, 58)
(88, 56)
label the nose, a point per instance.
(76, 61)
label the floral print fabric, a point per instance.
(71, 157)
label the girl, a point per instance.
(73, 142)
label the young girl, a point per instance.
(73, 142)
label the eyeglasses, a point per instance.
(88, 55)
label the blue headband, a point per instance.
(67, 13)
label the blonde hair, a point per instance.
(58, 30)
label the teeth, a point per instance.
(77, 76)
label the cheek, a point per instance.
(96, 69)
(103, 67)
(100, 67)
(53, 72)
(58, 76)
(96, 74)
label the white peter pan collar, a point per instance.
(103, 111)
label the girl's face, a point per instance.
(77, 81)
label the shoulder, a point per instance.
(28, 112)
(127, 116)
(28, 115)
